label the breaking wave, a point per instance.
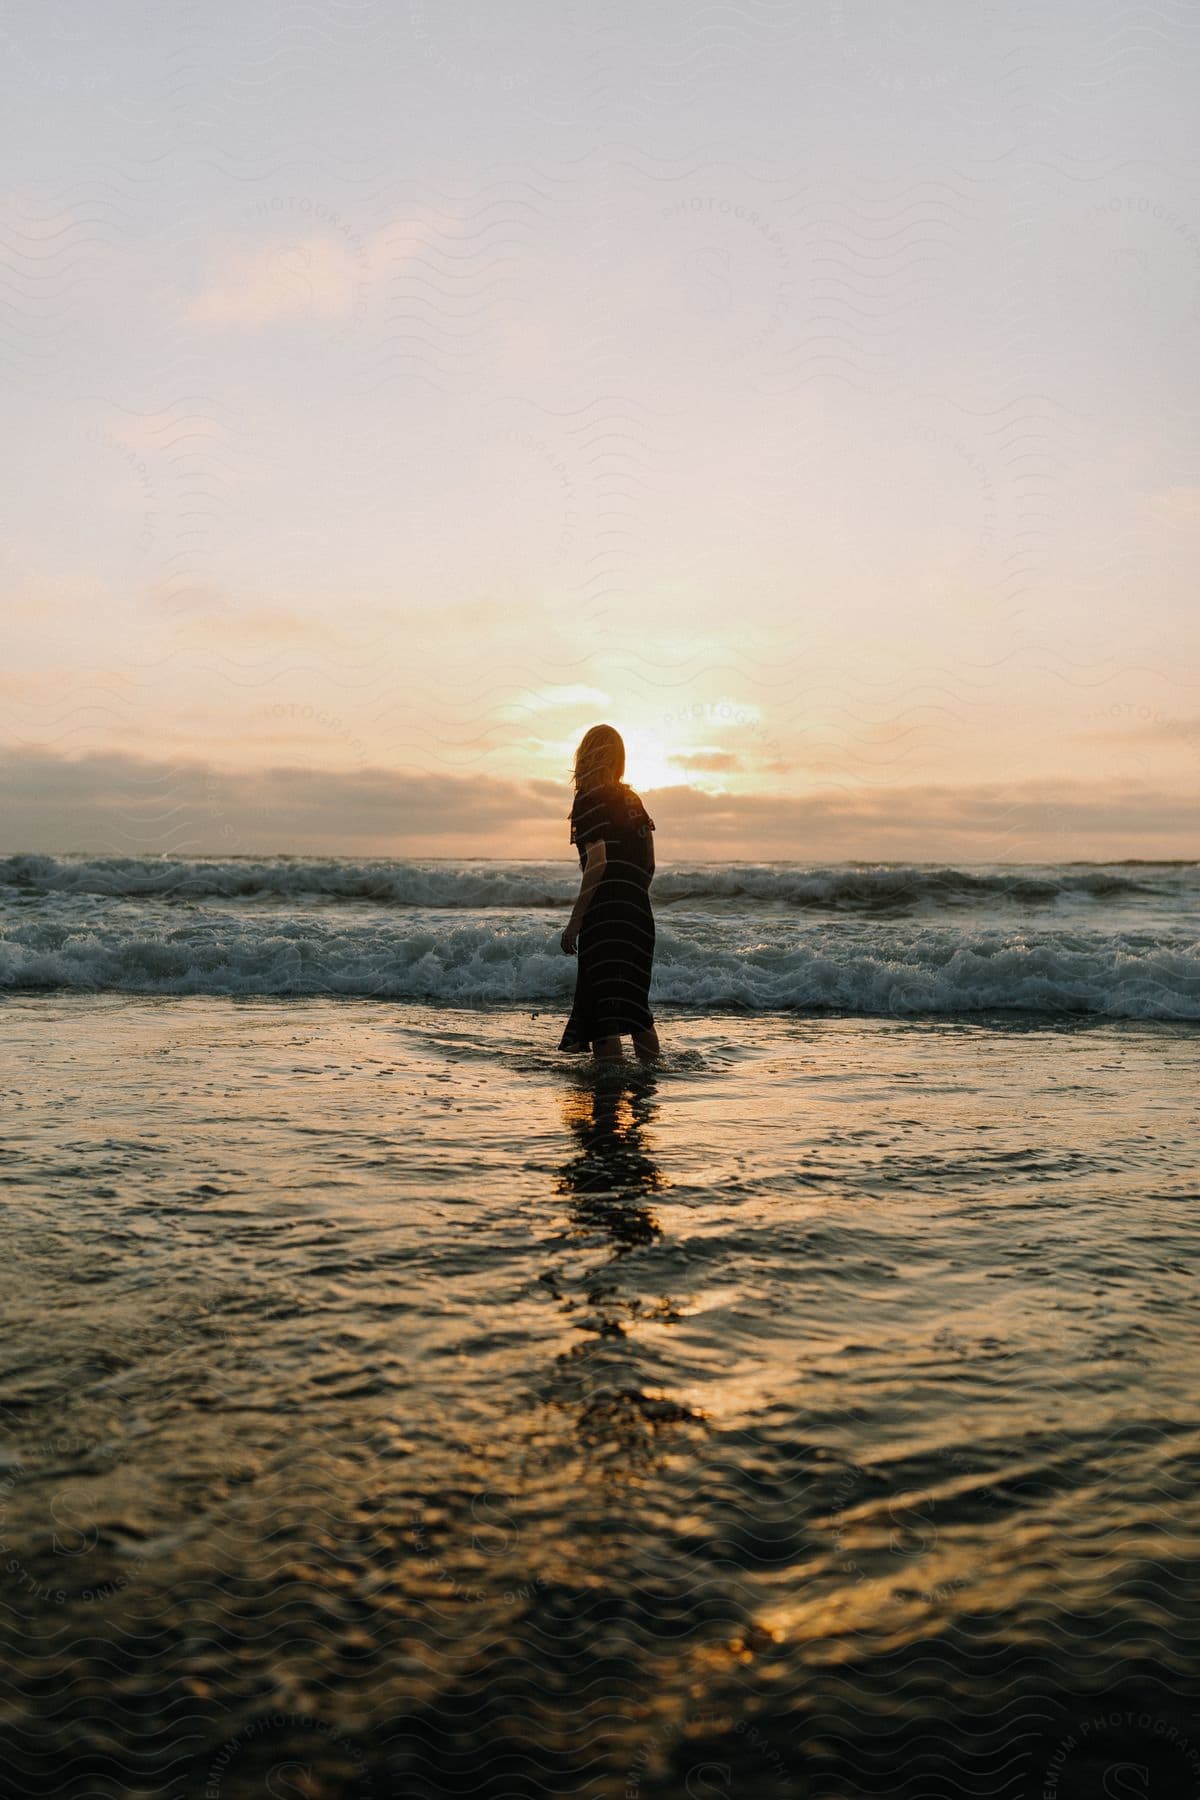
(479, 885)
(888, 969)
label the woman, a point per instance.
(611, 921)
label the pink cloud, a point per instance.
(314, 277)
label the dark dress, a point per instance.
(616, 942)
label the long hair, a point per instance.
(599, 758)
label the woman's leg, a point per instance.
(608, 1049)
(646, 1045)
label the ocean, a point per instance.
(1113, 942)
(395, 1407)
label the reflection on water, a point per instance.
(433, 1421)
(607, 1181)
(613, 1168)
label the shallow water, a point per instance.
(390, 1399)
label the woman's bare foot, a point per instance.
(646, 1045)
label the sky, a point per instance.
(395, 389)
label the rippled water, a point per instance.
(394, 1409)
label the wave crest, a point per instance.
(893, 970)
(481, 885)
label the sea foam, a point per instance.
(883, 969)
(475, 885)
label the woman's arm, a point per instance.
(597, 856)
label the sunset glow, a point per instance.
(851, 484)
(600, 898)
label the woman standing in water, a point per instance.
(611, 921)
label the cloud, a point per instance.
(164, 431)
(304, 278)
(553, 699)
(1156, 730)
(573, 695)
(722, 762)
(988, 822)
(272, 624)
(1178, 504)
(117, 803)
(321, 270)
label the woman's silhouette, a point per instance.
(611, 922)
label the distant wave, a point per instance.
(870, 969)
(478, 885)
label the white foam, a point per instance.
(879, 968)
(479, 885)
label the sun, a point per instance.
(648, 760)
(651, 761)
